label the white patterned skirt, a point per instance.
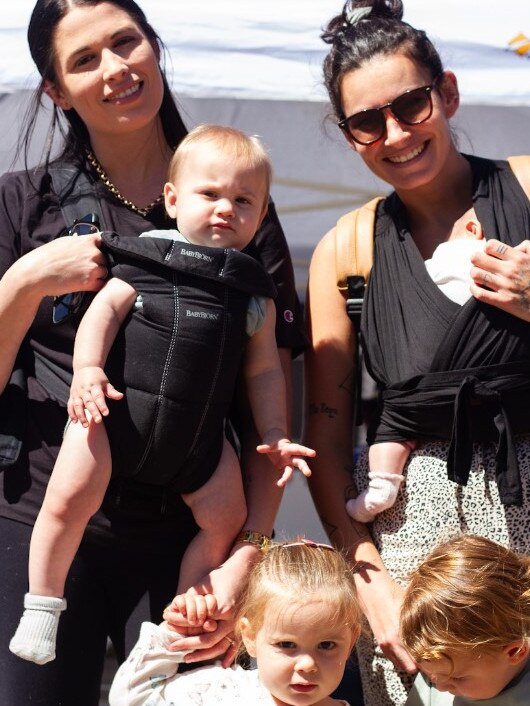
(429, 509)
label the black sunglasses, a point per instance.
(70, 303)
(411, 108)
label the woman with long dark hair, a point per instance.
(99, 63)
(453, 377)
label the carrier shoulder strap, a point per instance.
(77, 198)
(226, 266)
(76, 193)
(354, 246)
(354, 243)
(520, 166)
(354, 231)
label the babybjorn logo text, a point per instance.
(202, 315)
(197, 255)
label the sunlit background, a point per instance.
(257, 65)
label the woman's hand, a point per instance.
(205, 642)
(215, 637)
(501, 277)
(69, 264)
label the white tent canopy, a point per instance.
(258, 66)
(272, 50)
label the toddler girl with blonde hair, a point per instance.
(299, 618)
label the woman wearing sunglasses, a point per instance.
(99, 62)
(453, 377)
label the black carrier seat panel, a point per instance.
(177, 359)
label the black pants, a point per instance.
(103, 589)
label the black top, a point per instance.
(448, 371)
(30, 216)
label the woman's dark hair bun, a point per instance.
(356, 11)
(391, 9)
(366, 29)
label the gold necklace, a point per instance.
(110, 186)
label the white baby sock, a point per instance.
(36, 633)
(380, 495)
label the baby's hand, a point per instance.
(89, 388)
(197, 609)
(287, 456)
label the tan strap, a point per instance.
(354, 232)
(354, 243)
(520, 166)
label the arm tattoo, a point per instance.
(359, 533)
(348, 383)
(322, 408)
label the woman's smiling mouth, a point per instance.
(124, 94)
(402, 158)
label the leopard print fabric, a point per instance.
(429, 509)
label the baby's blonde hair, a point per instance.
(469, 594)
(291, 573)
(245, 148)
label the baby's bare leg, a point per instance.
(219, 508)
(75, 491)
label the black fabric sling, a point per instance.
(457, 373)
